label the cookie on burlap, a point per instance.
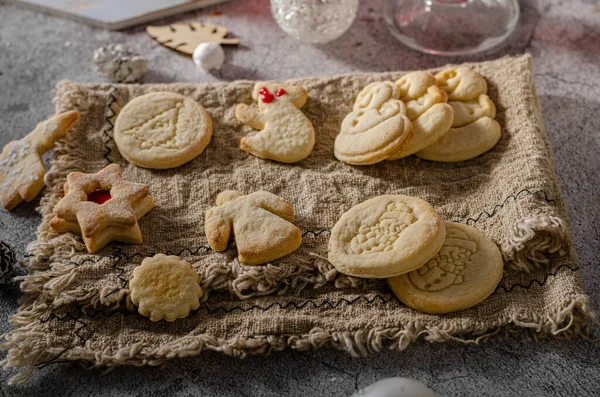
(162, 130)
(386, 236)
(376, 128)
(426, 107)
(286, 134)
(102, 207)
(261, 223)
(22, 169)
(474, 130)
(465, 271)
(461, 83)
(165, 288)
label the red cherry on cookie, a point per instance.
(265, 95)
(280, 92)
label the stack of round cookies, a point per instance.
(447, 117)
(431, 265)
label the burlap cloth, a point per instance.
(76, 305)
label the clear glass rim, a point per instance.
(486, 45)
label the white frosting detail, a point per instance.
(209, 56)
(120, 64)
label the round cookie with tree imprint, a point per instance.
(465, 271)
(162, 130)
(386, 236)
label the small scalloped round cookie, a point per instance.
(465, 271)
(464, 143)
(165, 288)
(162, 130)
(386, 236)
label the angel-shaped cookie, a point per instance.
(474, 130)
(286, 134)
(261, 223)
(426, 107)
(22, 169)
(376, 128)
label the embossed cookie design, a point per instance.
(261, 223)
(376, 128)
(102, 207)
(286, 134)
(165, 288)
(430, 115)
(162, 130)
(465, 271)
(474, 130)
(22, 169)
(386, 236)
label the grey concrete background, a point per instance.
(36, 51)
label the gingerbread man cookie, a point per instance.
(474, 130)
(261, 223)
(102, 207)
(376, 128)
(286, 134)
(22, 169)
(426, 107)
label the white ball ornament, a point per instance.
(209, 56)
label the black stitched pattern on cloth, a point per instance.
(522, 192)
(110, 113)
(534, 281)
(120, 256)
(211, 310)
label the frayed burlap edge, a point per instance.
(27, 344)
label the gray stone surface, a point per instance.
(36, 51)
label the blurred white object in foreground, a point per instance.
(395, 387)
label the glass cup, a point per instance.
(451, 27)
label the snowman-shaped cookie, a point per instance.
(286, 134)
(376, 128)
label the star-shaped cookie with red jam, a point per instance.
(102, 207)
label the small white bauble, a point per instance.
(395, 387)
(209, 56)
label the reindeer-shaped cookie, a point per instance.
(22, 169)
(286, 134)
